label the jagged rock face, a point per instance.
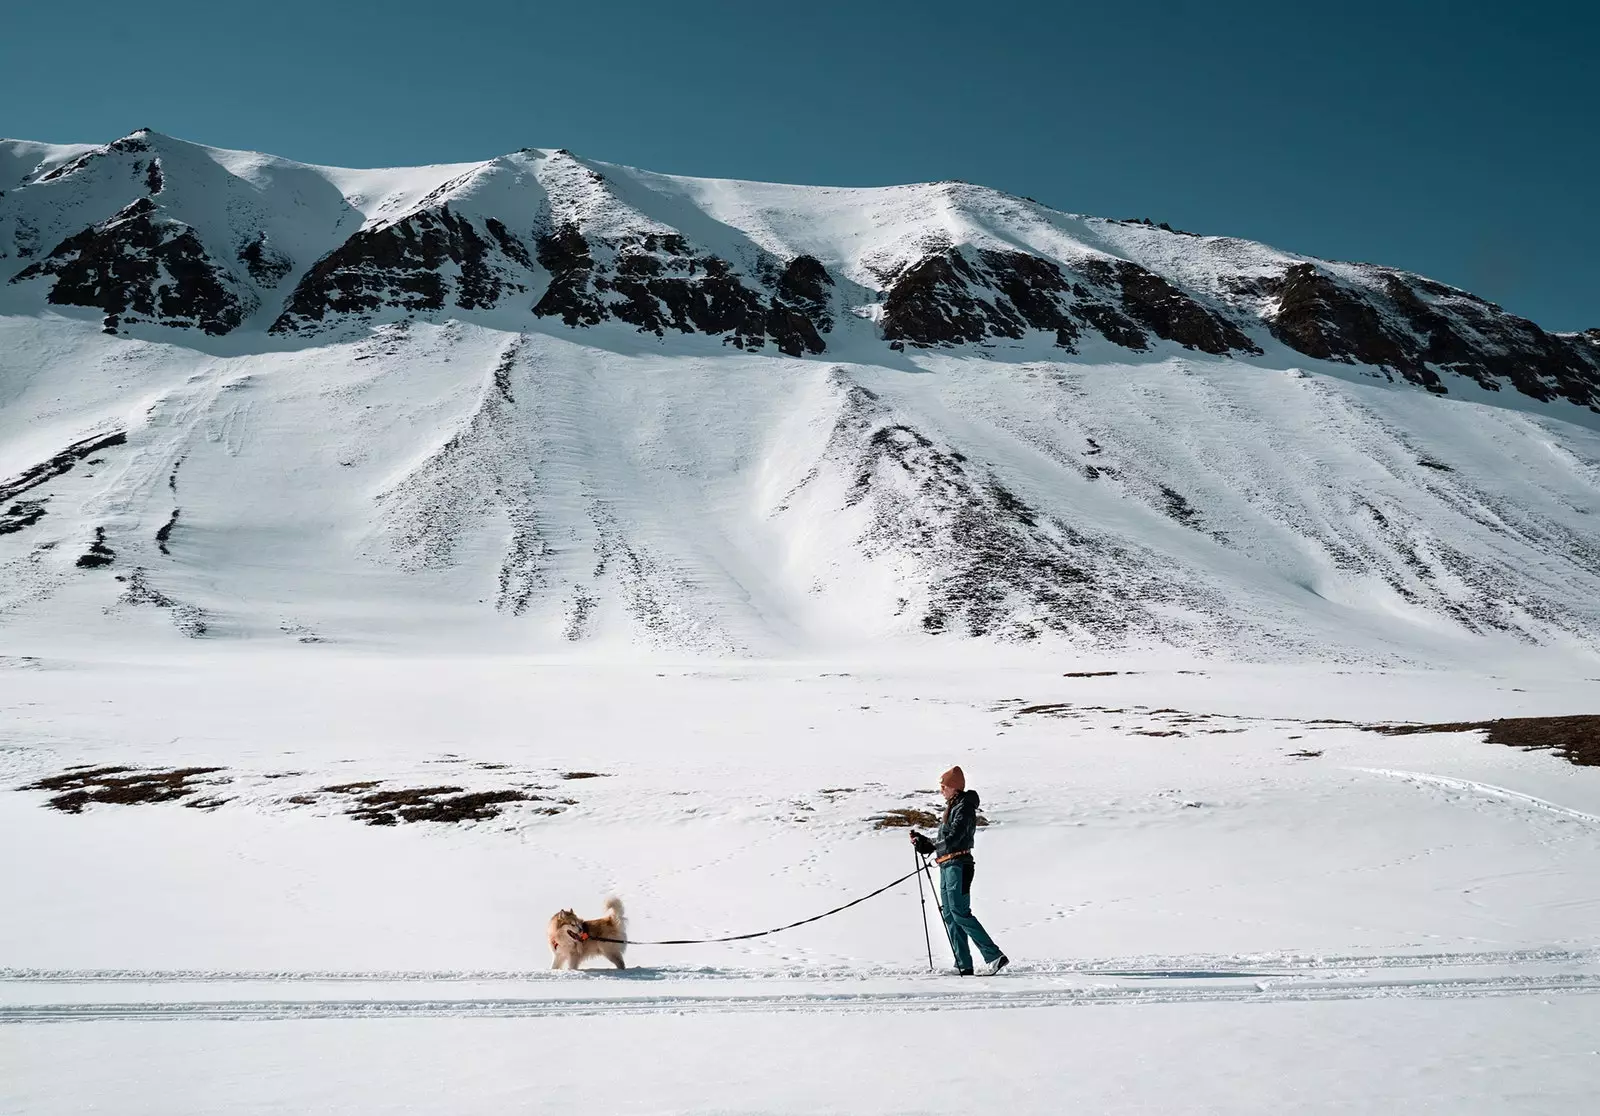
(401, 267)
(139, 266)
(657, 282)
(1417, 327)
(1168, 312)
(948, 298)
(267, 265)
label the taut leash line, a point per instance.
(774, 930)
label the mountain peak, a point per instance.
(541, 235)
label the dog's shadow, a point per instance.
(643, 973)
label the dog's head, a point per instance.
(564, 919)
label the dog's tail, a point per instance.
(613, 907)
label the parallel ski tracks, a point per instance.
(807, 990)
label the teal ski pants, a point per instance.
(955, 890)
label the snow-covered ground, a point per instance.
(667, 535)
(1270, 910)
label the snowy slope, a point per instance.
(546, 404)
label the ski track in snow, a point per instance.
(830, 1001)
(1486, 790)
(690, 990)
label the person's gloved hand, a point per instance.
(922, 844)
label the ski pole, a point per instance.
(922, 895)
(931, 886)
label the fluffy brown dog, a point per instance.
(572, 939)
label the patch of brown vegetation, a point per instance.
(904, 817)
(908, 817)
(437, 804)
(125, 786)
(1575, 739)
(1051, 709)
(584, 775)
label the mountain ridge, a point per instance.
(541, 402)
(577, 240)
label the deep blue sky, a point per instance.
(1459, 140)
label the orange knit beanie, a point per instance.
(954, 778)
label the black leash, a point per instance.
(774, 930)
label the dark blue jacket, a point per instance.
(959, 826)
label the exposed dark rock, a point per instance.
(1323, 318)
(98, 554)
(133, 144)
(1168, 312)
(72, 167)
(564, 253)
(153, 179)
(164, 535)
(138, 591)
(509, 244)
(1156, 225)
(958, 296)
(805, 285)
(59, 463)
(20, 516)
(400, 267)
(137, 264)
(931, 303)
(946, 298)
(1176, 505)
(1417, 328)
(657, 282)
(267, 265)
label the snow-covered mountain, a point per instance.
(542, 401)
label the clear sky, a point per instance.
(1460, 140)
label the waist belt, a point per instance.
(951, 856)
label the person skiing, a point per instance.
(952, 851)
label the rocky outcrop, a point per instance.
(402, 266)
(267, 265)
(1418, 329)
(657, 282)
(59, 463)
(1167, 312)
(965, 295)
(140, 266)
(947, 299)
